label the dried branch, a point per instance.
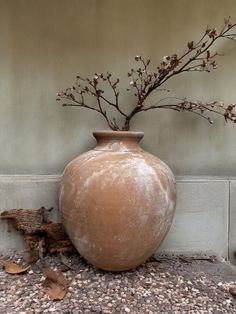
(199, 108)
(198, 57)
(40, 235)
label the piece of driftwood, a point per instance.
(27, 221)
(41, 236)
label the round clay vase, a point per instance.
(117, 201)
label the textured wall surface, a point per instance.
(45, 44)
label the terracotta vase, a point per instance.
(117, 201)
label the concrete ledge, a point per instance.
(204, 222)
(201, 221)
(25, 192)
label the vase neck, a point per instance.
(118, 140)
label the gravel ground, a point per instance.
(162, 285)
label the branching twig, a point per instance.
(198, 57)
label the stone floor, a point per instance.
(163, 284)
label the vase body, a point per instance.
(117, 201)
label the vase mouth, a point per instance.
(118, 134)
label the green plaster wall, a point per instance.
(44, 44)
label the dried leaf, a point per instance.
(55, 284)
(54, 291)
(55, 276)
(65, 261)
(12, 268)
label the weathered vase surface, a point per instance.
(117, 201)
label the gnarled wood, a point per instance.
(40, 236)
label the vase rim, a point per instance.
(118, 134)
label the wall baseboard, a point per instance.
(204, 222)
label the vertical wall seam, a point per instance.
(229, 218)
